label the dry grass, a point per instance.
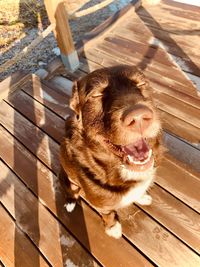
(16, 16)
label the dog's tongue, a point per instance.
(138, 150)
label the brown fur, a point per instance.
(90, 157)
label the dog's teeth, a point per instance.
(140, 162)
(130, 159)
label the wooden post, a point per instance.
(57, 14)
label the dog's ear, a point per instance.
(74, 100)
(135, 75)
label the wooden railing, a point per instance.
(57, 14)
(59, 18)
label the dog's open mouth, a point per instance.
(138, 155)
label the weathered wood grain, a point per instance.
(154, 240)
(175, 216)
(31, 136)
(164, 215)
(107, 55)
(181, 33)
(12, 83)
(15, 248)
(51, 238)
(178, 179)
(146, 65)
(83, 222)
(47, 120)
(47, 96)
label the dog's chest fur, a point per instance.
(137, 191)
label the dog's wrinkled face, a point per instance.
(114, 105)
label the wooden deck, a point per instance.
(35, 229)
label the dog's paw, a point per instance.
(114, 231)
(70, 206)
(145, 200)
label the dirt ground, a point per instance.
(21, 21)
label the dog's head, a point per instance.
(114, 106)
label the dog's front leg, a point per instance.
(112, 225)
(72, 190)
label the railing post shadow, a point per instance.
(58, 15)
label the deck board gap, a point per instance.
(45, 105)
(24, 233)
(167, 229)
(176, 197)
(33, 123)
(29, 150)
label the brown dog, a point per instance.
(112, 143)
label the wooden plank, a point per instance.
(183, 151)
(180, 128)
(181, 42)
(122, 30)
(156, 10)
(172, 35)
(152, 70)
(131, 46)
(173, 92)
(182, 6)
(185, 232)
(180, 180)
(43, 149)
(62, 27)
(175, 44)
(159, 245)
(63, 32)
(39, 224)
(15, 248)
(158, 82)
(31, 136)
(174, 22)
(178, 108)
(104, 28)
(83, 222)
(60, 84)
(151, 27)
(149, 250)
(11, 83)
(106, 55)
(148, 51)
(141, 33)
(175, 216)
(41, 116)
(48, 97)
(172, 73)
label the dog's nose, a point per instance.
(138, 118)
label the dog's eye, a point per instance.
(97, 95)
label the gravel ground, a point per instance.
(41, 55)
